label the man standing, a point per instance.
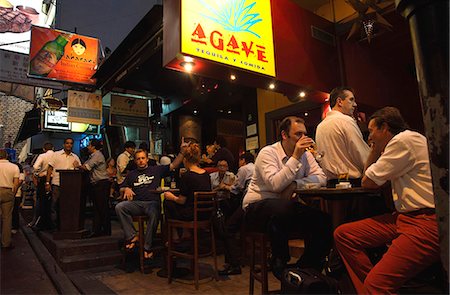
(9, 183)
(223, 153)
(340, 139)
(123, 159)
(42, 209)
(99, 188)
(278, 167)
(141, 199)
(63, 159)
(400, 156)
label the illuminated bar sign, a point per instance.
(62, 56)
(233, 32)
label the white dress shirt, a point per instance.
(227, 179)
(61, 160)
(341, 140)
(41, 165)
(244, 173)
(8, 171)
(274, 171)
(122, 162)
(406, 164)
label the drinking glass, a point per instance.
(315, 152)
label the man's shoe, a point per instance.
(230, 270)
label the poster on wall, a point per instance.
(63, 56)
(128, 111)
(84, 107)
(16, 19)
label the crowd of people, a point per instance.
(261, 193)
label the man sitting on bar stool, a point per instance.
(400, 156)
(283, 166)
(136, 189)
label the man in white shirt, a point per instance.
(42, 208)
(244, 174)
(340, 139)
(123, 159)
(63, 159)
(9, 183)
(278, 167)
(222, 180)
(400, 156)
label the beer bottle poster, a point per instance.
(63, 56)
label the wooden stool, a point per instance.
(141, 219)
(258, 241)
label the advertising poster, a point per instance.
(63, 56)
(128, 111)
(84, 107)
(233, 32)
(16, 19)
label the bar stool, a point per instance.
(258, 242)
(141, 219)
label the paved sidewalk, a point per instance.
(21, 271)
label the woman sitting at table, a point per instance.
(196, 179)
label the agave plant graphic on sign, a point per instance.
(234, 15)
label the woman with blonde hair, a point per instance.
(196, 179)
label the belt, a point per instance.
(427, 211)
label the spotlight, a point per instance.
(232, 77)
(188, 66)
(302, 94)
(272, 86)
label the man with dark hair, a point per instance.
(62, 159)
(223, 153)
(123, 159)
(99, 188)
(244, 174)
(340, 139)
(9, 183)
(41, 218)
(400, 156)
(282, 167)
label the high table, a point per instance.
(337, 202)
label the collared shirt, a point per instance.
(341, 140)
(41, 165)
(406, 164)
(244, 173)
(122, 162)
(96, 165)
(61, 160)
(274, 171)
(228, 179)
(8, 171)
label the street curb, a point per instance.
(59, 279)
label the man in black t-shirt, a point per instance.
(140, 200)
(223, 153)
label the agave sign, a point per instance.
(233, 32)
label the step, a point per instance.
(91, 260)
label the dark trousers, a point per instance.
(99, 194)
(43, 204)
(15, 214)
(281, 218)
(231, 243)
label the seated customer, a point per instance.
(400, 156)
(278, 167)
(196, 179)
(137, 188)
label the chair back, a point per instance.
(204, 205)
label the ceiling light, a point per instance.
(306, 114)
(232, 77)
(272, 86)
(195, 112)
(188, 59)
(229, 112)
(188, 66)
(302, 94)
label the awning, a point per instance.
(31, 125)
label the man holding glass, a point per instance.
(282, 167)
